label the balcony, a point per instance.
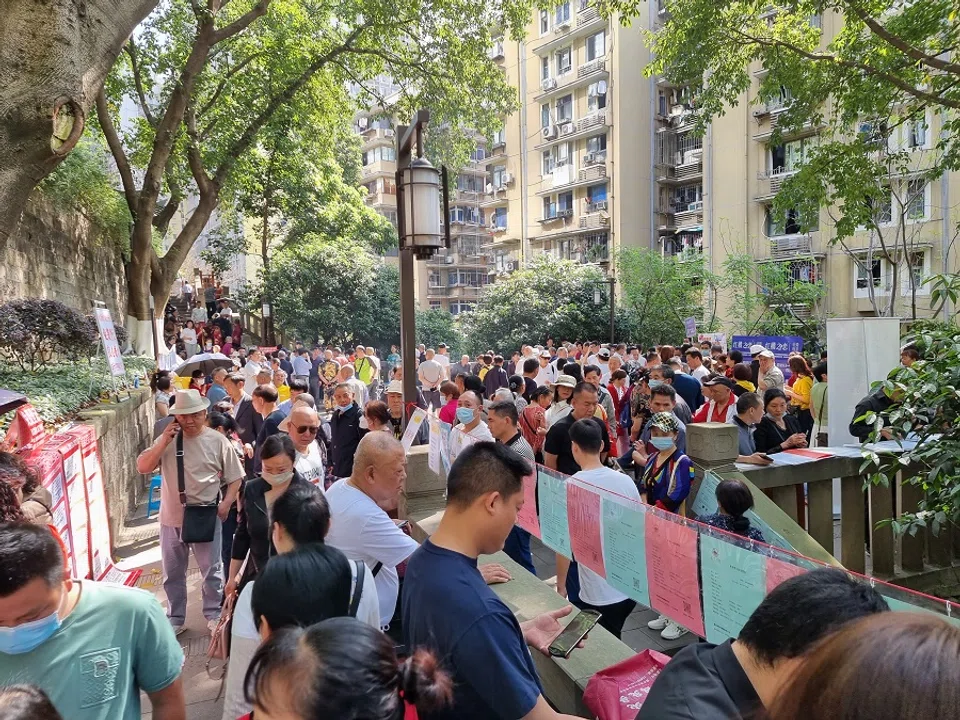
(769, 124)
(770, 183)
(592, 124)
(587, 73)
(592, 68)
(689, 215)
(380, 168)
(561, 215)
(466, 196)
(593, 173)
(774, 105)
(587, 13)
(596, 220)
(384, 198)
(494, 197)
(786, 247)
(686, 167)
(587, 20)
(377, 136)
(496, 52)
(594, 158)
(464, 292)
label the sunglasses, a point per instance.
(312, 429)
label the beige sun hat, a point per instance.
(189, 401)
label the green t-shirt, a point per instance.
(114, 644)
(364, 369)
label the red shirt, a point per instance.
(713, 412)
(448, 413)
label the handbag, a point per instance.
(199, 521)
(219, 649)
(617, 692)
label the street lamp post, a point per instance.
(598, 300)
(420, 188)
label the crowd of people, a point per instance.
(282, 476)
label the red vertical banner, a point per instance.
(73, 479)
(26, 433)
(48, 464)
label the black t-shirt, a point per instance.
(558, 443)
(530, 386)
(702, 681)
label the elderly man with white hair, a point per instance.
(302, 425)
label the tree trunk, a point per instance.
(54, 57)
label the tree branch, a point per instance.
(849, 64)
(194, 159)
(221, 86)
(902, 45)
(249, 135)
(241, 23)
(116, 149)
(131, 50)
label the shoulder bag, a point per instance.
(358, 588)
(199, 521)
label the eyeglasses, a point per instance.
(311, 429)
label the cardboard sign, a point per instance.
(111, 348)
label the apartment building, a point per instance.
(568, 172)
(452, 279)
(715, 196)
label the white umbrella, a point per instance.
(205, 362)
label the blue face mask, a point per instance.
(465, 415)
(662, 443)
(29, 636)
(654, 384)
(344, 408)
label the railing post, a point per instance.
(852, 529)
(820, 512)
(881, 545)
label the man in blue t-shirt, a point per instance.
(448, 607)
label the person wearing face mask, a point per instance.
(91, 647)
(468, 424)
(666, 478)
(253, 522)
(301, 520)
(345, 431)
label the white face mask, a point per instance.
(277, 479)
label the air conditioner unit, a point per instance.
(549, 132)
(590, 158)
(562, 27)
(448, 260)
(566, 128)
(548, 84)
(691, 156)
(507, 179)
(362, 123)
(510, 266)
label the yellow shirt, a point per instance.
(802, 387)
(283, 393)
(747, 385)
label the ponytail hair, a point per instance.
(343, 668)
(735, 498)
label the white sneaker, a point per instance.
(673, 631)
(212, 625)
(659, 624)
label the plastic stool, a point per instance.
(153, 499)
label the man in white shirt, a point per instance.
(603, 362)
(444, 359)
(360, 392)
(695, 362)
(547, 375)
(302, 425)
(595, 592)
(431, 375)
(469, 428)
(251, 370)
(360, 526)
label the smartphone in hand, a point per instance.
(574, 633)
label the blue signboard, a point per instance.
(780, 345)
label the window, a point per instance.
(435, 305)
(918, 267)
(881, 206)
(469, 215)
(563, 12)
(478, 154)
(787, 224)
(500, 137)
(470, 183)
(597, 144)
(915, 201)
(684, 196)
(391, 215)
(868, 273)
(565, 109)
(500, 218)
(564, 60)
(915, 134)
(547, 162)
(562, 154)
(458, 307)
(788, 157)
(545, 115)
(499, 176)
(544, 22)
(565, 201)
(545, 67)
(549, 208)
(597, 96)
(662, 103)
(596, 46)
(596, 248)
(377, 154)
(596, 193)
(435, 280)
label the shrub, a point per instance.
(35, 332)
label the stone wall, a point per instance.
(123, 432)
(59, 256)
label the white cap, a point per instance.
(756, 349)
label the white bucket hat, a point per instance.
(188, 402)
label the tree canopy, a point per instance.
(211, 81)
(548, 298)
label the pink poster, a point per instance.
(100, 548)
(778, 571)
(672, 572)
(527, 518)
(583, 517)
